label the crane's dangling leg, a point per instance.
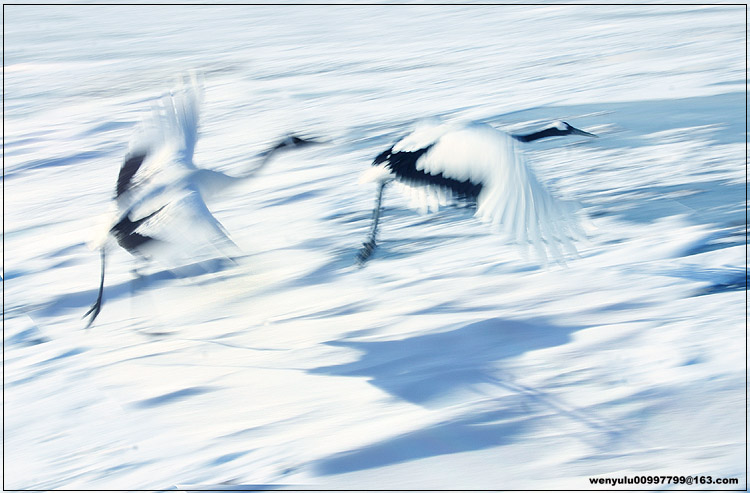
(369, 246)
(97, 306)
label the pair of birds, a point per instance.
(160, 196)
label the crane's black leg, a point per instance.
(369, 246)
(97, 306)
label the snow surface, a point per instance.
(450, 360)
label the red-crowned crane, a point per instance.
(439, 163)
(160, 193)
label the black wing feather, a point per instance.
(404, 165)
(128, 170)
(125, 232)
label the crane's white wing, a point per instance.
(512, 198)
(162, 147)
(181, 111)
(174, 118)
(159, 163)
(425, 133)
(185, 229)
(156, 181)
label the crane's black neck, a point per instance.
(547, 132)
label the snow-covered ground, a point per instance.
(450, 360)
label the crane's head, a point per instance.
(557, 129)
(292, 141)
(288, 142)
(566, 128)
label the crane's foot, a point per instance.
(365, 252)
(94, 312)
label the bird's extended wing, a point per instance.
(174, 119)
(160, 156)
(427, 187)
(181, 112)
(185, 229)
(162, 146)
(511, 197)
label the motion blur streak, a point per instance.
(451, 362)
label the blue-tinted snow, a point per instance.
(450, 360)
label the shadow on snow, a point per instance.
(439, 369)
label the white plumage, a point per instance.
(159, 205)
(168, 175)
(440, 163)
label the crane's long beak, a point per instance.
(578, 131)
(295, 141)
